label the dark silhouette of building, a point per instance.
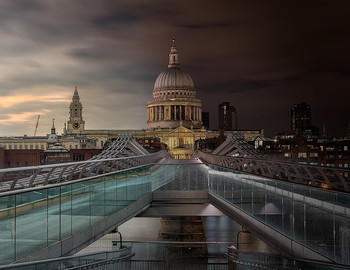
(227, 116)
(205, 119)
(300, 117)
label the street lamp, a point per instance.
(120, 240)
(241, 231)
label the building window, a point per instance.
(26, 147)
(31, 146)
(26, 163)
(36, 146)
(302, 155)
(313, 154)
(346, 165)
(10, 146)
(101, 143)
(17, 164)
(15, 146)
(42, 147)
(9, 164)
(286, 155)
(20, 147)
(345, 148)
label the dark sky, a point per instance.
(262, 56)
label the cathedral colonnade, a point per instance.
(174, 113)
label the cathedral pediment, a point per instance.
(182, 129)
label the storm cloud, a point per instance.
(262, 56)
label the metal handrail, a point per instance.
(125, 253)
(317, 176)
(27, 177)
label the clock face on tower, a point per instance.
(76, 125)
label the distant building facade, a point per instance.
(205, 120)
(227, 116)
(300, 117)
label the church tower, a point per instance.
(76, 124)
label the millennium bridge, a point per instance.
(50, 212)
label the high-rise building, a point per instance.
(300, 117)
(205, 119)
(227, 116)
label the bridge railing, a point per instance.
(315, 218)
(317, 176)
(40, 218)
(26, 177)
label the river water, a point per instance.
(142, 233)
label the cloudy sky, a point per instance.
(262, 56)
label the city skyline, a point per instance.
(262, 58)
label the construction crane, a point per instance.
(37, 123)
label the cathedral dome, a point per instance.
(174, 79)
(174, 101)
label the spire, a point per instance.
(76, 92)
(173, 56)
(53, 129)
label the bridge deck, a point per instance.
(67, 216)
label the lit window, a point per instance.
(345, 148)
(302, 155)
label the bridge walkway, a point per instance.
(57, 220)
